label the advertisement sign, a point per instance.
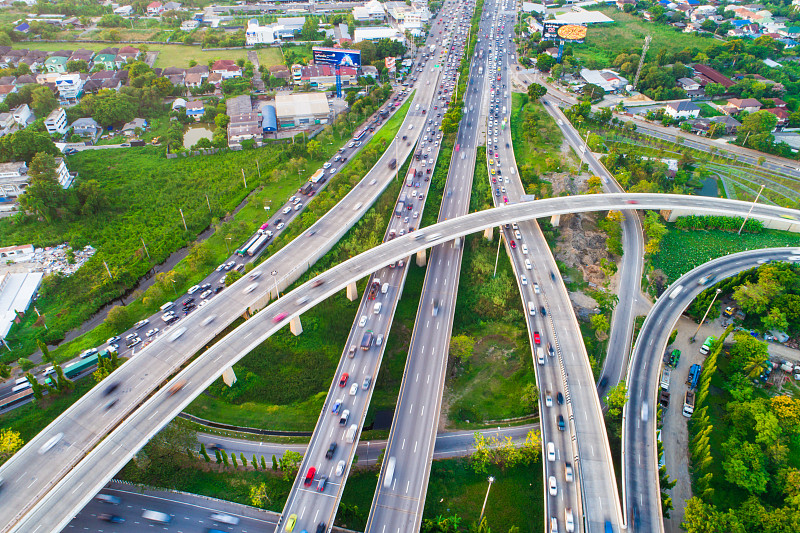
(337, 56)
(559, 31)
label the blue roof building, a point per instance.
(269, 120)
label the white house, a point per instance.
(682, 109)
(56, 122)
(155, 8)
(123, 10)
(62, 173)
(22, 114)
(69, 87)
(372, 10)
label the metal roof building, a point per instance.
(269, 118)
(301, 109)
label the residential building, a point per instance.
(6, 123)
(130, 128)
(301, 109)
(376, 33)
(56, 122)
(371, 11)
(108, 60)
(86, 127)
(13, 179)
(5, 90)
(195, 109)
(737, 105)
(69, 87)
(56, 64)
(172, 6)
(226, 68)
(370, 71)
(258, 34)
(609, 80)
(682, 109)
(123, 11)
(155, 8)
(706, 75)
(23, 115)
(782, 114)
(179, 103)
(688, 84)
(63, 175)
(324, 76)
(193, 81)
(244, 123)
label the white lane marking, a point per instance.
(403, 446)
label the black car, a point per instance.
(331, 451)
(560, 399)
(188, 302)
(561, 425)
(321, 527)
(218, 289)
(111, 388)
(114, 519)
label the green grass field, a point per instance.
(626, 35)
(682, 251)
(169, 55)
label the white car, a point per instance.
(287, 210)
(536, 288)
(363, 321)
(280, 226)
(548, 399)
(353, 389)
(340, 468)
(568, 518)
(52, 441)
(206, 294)
(151, 332)
(326, 165)
(524, 280)
(250, 288)
(551, 482)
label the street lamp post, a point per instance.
(692, 338)
(227, 245)
(173, 288)
(275, 280)
(491, 480)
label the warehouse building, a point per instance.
(269, 118)
(301, 109)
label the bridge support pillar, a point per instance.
(229, 376)
(488, 233)
(555, 220)
(295, 326)
(422, 258)
(352, 292)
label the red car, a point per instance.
(505, 199)
(279, 317)
(536, 338)
(343, 379)
(513, 244)
(310, 476)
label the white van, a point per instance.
(551, 451)
(528, 264)
(156, 516)
(193, 289)
(675, 292)
(351, 434)
(531, 309)
(167, 306)
(387, 479)
(376, 309)
(385, 288)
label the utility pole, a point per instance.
(108, 269)
(751, 210)
(184, 220)
(497, 257)
(705, 315)
(647, 40)
(244, 179)
(145, 247)
(259, 170)
(209, 204)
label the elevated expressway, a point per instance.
(641, 487)
(76, 467)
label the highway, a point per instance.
(639, 450)
(79, 463)
(86, 422)
(399, 499)
(317, 490)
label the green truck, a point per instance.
(706, 347)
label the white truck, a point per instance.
(318, 175)
(688, 404)
(665, 375)
(540, 355)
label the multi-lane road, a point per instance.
(317, 490)
(640, 453)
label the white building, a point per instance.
(13, 178)
(69, 87)
(377, 33)
(189, 25)
(123, 10)
(62, 173)
(372, 10)
(682, 109)
(258, 34)
(16, 294)
(609, 80)
(56, 122)
(22, 114)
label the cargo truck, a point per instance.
(663, 399)
(665, 375)
(694, 376)
(540, 355)
(688, 404)
(318, 176)
(706, 347)
(307, 188)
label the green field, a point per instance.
(682, 251)
(626, 35)
(169, 55)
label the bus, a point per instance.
(359, 135)
(21, 386)
(15, 399)
(242, 251)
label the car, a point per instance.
(366, 383)
(560, 398)
(631, 202)
(221, 267)
(290, 522)
(340, 468)
(190, 301)
(225, 519)
(513, 244)
(280, 316)
(568, 475)
(343, 380)
(548, 399)
(52, 441)
(331, 451)
(543, 311)
(362, 321)
(114, 519)
(644, 412)
(353, 389)
(141, 324)
(108, 498)
(280, 225)
(151, 332)
(569, 520)
(113, 340)
(537, 338)
(230, 264)
(323, 480)
(553, 487)
(561, 424)
(206, 293)
(321, 525)
(536, 288)
(309, 476)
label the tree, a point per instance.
(166, 450)
(274, 462)
(44, 195)
(758, 122)
(745, 465)
(461, 348)
(536, 91)
(259, 496)
(10, 442)
(290, 463)
(593, 92)
(616, 398)
(204, 453)
(43, 101)
(117, 318)
(775, 319)
(545, 62)
(91, 197)
(530, 396)
(264, 463)
(254, 462)
(46, 355)
(314, 148)
(244, 461)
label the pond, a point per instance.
(194, 134)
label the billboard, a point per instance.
(337, 56)
(560, 31)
